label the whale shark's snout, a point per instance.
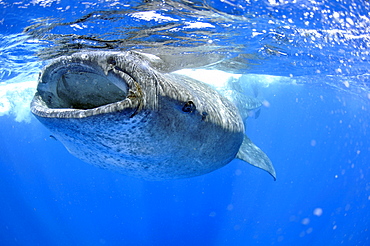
(116, 111)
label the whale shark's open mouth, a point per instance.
(80, 86)
(86, 90)
(73, 87)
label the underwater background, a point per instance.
(310, 61)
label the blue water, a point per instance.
(315, 129)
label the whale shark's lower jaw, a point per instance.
(76, 89)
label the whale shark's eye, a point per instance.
(189, 107)
(111, 61)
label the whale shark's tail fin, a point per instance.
(250, 153)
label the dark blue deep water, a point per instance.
(311, 60)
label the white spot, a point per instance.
(273, 2)
(85, 56)
(317, 212)
(336, 15)
(350, 21)
(266, 103)
(198, 25)
(305, 221)
(78, 26)
(238, 172)
(152, 15)
(255, 34)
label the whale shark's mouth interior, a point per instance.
(79, 88)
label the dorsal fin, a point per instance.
(250, 153)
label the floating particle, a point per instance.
(230, 207)
(238, 172)
(305, 221)
(317, 212)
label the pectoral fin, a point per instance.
(250, 153)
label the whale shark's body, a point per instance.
(117, 111)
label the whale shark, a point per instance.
(118, 110)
